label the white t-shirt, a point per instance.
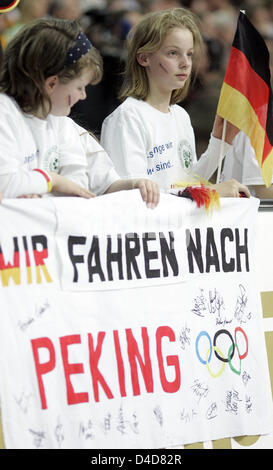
(100, 168)
(54, 144)
(145, 142)
(241, 162)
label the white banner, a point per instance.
(123, 327)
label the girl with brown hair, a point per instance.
(45, 71)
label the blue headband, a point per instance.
(81, 47)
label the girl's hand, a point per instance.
(66, 186)
(149, 191)
(231, 188)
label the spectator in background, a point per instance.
(216, 5)
(260, 16)
(7, 20)
(119, 5)
(66, 9)
(157, 5)
(88, 4)
(28, 10)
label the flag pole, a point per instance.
(221, 156)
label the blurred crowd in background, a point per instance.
(107, 22)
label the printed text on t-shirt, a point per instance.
(29, 159)
(159, 149)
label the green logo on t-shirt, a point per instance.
(185, 154)
(51, 160)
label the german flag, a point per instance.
(246, 95)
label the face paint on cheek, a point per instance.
(163, 68)
(69, 100)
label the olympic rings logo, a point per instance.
(219, 354)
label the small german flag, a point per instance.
(246, 95)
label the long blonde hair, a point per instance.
(147, 36)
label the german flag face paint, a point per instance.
(7, 5)
(246, 95)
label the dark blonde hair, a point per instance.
(39, 51)
(147, 36)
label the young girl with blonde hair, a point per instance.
(149, 133)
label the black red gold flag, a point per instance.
(246, 95)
